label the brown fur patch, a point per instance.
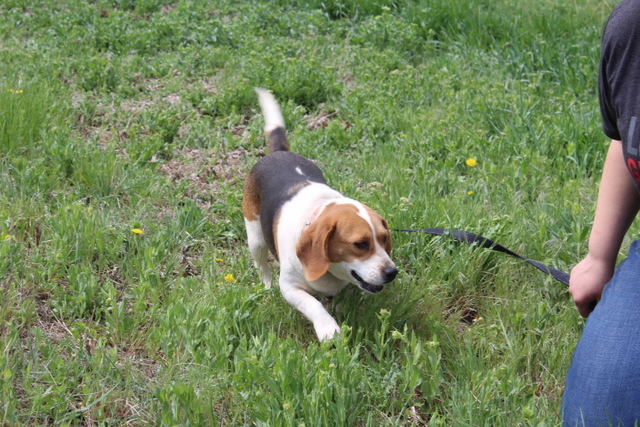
(251, 199)
(296, 188)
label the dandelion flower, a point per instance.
(471, 162)
(219, 259)
(229, 278)
(470, 192)
(137, 231)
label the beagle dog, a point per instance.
(321, 239)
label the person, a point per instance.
(603, 382)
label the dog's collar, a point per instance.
(314, 215)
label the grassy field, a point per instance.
(128, 296)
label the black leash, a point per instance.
(466, 237)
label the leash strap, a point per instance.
(471, 238)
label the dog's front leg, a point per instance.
(325, 326)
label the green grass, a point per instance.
(118, 115)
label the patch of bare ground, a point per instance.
(52, 327)
(205, 170)
(323, 117)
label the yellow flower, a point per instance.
(471, 162)
(219, 259)
(137, 231)
(470, 192)
(229, 278)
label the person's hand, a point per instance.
(587, 281)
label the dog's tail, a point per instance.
(274, 130)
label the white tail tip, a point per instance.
(270, 110)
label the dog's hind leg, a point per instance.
(255, 237)
(259, 251)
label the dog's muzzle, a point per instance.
(388, 274)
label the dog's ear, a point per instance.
(312, 249)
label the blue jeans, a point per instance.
(603, 382)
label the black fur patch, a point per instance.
(277, 140)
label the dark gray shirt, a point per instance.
(619, 82)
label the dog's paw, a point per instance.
(327, 331)
(267, 283)
(265, 276)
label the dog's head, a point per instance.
(350, 241)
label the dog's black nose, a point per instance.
(390, 273)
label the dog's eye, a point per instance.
(362, 245)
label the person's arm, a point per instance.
(618, 204)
